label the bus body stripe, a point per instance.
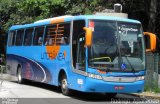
(53, 21)
(38, 65)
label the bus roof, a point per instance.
(69, 18)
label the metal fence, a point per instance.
(152, 71)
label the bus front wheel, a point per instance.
(19, 76)
(64, 86)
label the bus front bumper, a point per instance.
(94, 85)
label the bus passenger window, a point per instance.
(19, 37)
(28, 37)
(65, 38)
(40, 40)
(49, 37)
(57, 34)
(11, 38)
(38, 36)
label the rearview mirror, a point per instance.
(88, 36)
(150, 41)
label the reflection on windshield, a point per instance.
(108, 39)
(104, 41)
(130, 40)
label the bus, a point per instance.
(87, 53)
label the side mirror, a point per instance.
(88, 36)
(150, 41)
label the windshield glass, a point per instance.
(116, 46)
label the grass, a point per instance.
(154, 89)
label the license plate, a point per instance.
(118, 87)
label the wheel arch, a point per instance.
(18, 66)
(61, 73)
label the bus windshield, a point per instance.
(116, 46)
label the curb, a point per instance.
(149, 95)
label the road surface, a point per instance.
(38, 93)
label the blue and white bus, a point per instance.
(88, 53)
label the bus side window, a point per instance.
(28, 37)
(66, 33)
(11, 38)
(19, 37)
(38, 36)
(50, 35)
(57, 34)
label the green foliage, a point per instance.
(154, 89)
(26, 11)
(152, 86)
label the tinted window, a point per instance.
(28, 37)
(38, 36)
(57, 34)
(19, 37)
(78, 49)
(11, 38)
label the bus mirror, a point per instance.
(88, 36)
(150, 41)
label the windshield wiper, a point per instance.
(121, 59)
(133, 70)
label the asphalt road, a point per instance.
(38, 93)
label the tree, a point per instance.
(157, 30)
(27, 11)
(152, 16)
(6, 10)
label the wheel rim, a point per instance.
(64, 85)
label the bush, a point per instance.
(2, 69)
(155, 89)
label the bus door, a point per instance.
(80, 63)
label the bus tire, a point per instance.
(64, 86)
(19, 75)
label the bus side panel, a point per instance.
(77, 82)
(62, 61)
(31, 69)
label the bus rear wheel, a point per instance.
(64, 86)
(19, 76)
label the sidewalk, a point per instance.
(11, 89)
(149, 94)
(7, 77)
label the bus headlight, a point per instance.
(95, 76)
(140, 78)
